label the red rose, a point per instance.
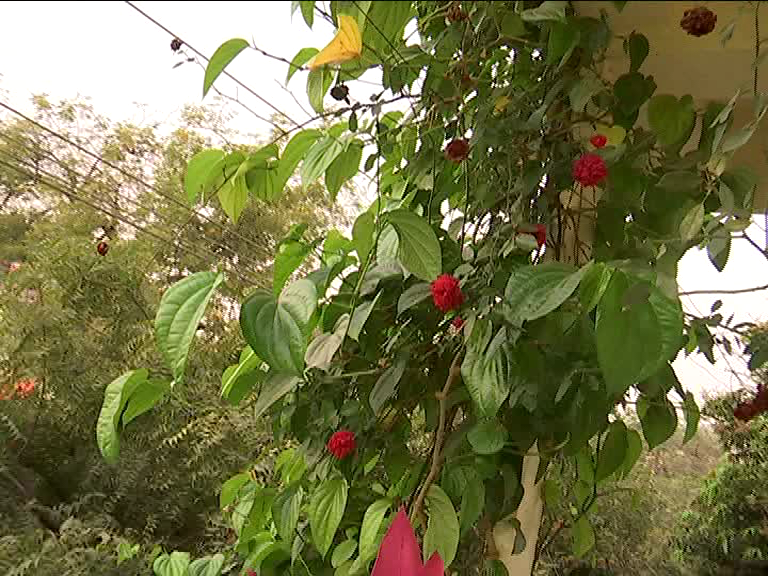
(458, 323)
(446, 293)
(589, 170)
(598, 140)
(540, 234)
(457, 150)
(342, 444)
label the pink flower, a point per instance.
(457, 150)
(25, 387)
(399, 553)
(598, 140)
(589, 170)
(446, 293)
(342, 444)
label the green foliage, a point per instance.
(221, 59)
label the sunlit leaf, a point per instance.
(221, 59)
(346, 45)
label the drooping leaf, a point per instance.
(275, 386)
(173, 564)
(563, 38)
(362, 235)
(413, 296)
(360, 317)
(233, 196)
(289, 257)
(638, 48)
(178, 316)
(277, 329)
(302, 57)
(634, 448)
(485, 368)
(207, 566)
(593, 285)
(249, 362)
(719, 248)
(418, 248)
(286, 510)
(385, 24)
(344, 167)
(583, 537)
(116, 396)
(221, 59)
(386, 385)
(324, 346)
(319, 157)
(144, 397)
(659, 420)
(535, 291)
(293, 154)
(343, 552)
(326, 510)
(369, 531)
(318, 82)
(198, 171)
(691, 410)
(231, 488)
(671, 119)
(442, 535)
(613, 452)
(692, 222)
(487, 436)
(472, 501)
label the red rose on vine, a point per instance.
(458, 323)
(698, 21)
(745, 411)
(598, 140)
(457, 150)
(342, 444)
(446, 293)
(589, 170)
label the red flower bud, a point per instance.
(457, 150)
(342, 444)
(589, 170)
(598, 140)
(540, 234)
(102, 248)
(458, 323)
(446, 293)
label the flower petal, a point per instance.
(399, 554)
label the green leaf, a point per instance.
(413, 296)
(274, 388)
(544, 12)
(419, 249)
(719, 248)
(442, 533)
(384, 26)
(631, 455)
(231, 488)
(294, 152)
(535, 291)
(344, 167)
(233, 196)
(198, 172)
(613, 452)
(308, 11)
(320, 156)
(362, 235)
(207, 566)
(173, 564)
(326, 510)
(631, 91)
(343, 552)
(563, 38)
(248, 363)
(638, 49)
(485, 368)
(318, 82)
(323, 347)
(583, 90)
(680, 181)
(691, 410)
(386, 385)
(659, 420)
(669, 317)
(628, 338)
(369, 533)
(360, 317)
(286, 510)
(692, 222)
(512, 24)
(670, 119)
(593, 285)
(289, 257)
(277, 329)
(144, 397)
(583, 537)
(488, 436)
(178, 316)
(116, 396)
(221, 58)
(472, 501)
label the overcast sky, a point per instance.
(112, 54)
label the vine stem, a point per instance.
(437, 454)
(734, 291)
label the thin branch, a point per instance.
(735, 291)
(454, 373)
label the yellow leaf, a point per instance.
(346, 45)
(501, 104)
(614, 134)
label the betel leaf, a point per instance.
(563, 38)
(286, 510)
(198, 170)
(207, 566)
(302, 57)
(583, 537)
(178, 316)
(386, 385)
(173, 564)
(344, 167)
(369, 532)
(485, 368)
(692, 415)
(249, 362)
(418, 248)
(632, 454)
(593, 285)
(584, 89)
(116, 396)
(413, 296)
(638, 49)
(360, 317)
(221, 59)
(669, 318)
(613, 452)
(277, 329)
(293, 154)
(233, 196)
(671, 119)
(326, 510)
(719, 248)
(319, 157)
(362, 235)
(231, 488)
(472, 500)
(323, 347)
(535, 291)
(628, 337)
(659, 419)
(488, 436)
(692, 222)
(343, 552)
(442, 535)
(318, 82)
(289, 257)
(275, 386)
(144, 397)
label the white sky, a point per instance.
(112, 54)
